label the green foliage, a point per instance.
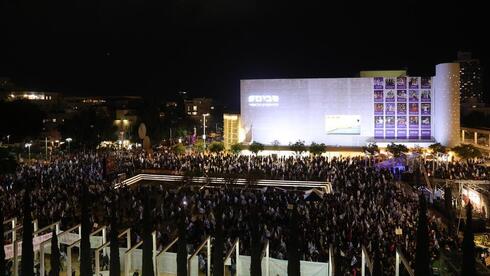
(179, 148)
(255, 147)
(236, 148)
(298, 147)
(397, 149)
(371, 149)
(8, 164)
(438, 148)
(216, 147)
(199, 146)
(317, 149)
(465, 151)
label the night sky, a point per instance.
(159, 47)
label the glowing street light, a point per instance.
(68, 140)
(8, 139)
(204, 128)
(28, 145)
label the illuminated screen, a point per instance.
(343, 124)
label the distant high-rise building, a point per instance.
(470, 78)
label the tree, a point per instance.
(199, 146)
(219, 242)
(55, 255)
(422, 258)
(256, 147)
(182, 245)
(371, 149)
(147, 238)
(179, 148)
(468, 245)
(275, 144)
(86, 225)
(438, 148)
(27, 268)
(397, 149)
(216, 147)
(293, 244)
(8, 164)
(298, 147)
(114, 269)
(317, 149)
(465, 151)
(236, 148)
(2, 243)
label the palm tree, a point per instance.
(468, 245)
(27, 249)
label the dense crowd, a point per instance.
(474, 170)
(366, 206)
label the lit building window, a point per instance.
(194, 108)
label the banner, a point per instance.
(425, 108)
(378, 96)
(425, 96)
(390, 83)
(390, 96)
(401, 121)
(413, 121)
(413, 96)
(378, 109)
(378, 83)
(401, 133)
(401, 108)
(401, 95)
(390, 109)
(401, 83)
(425, 83)
(390, 121)
(378, 121)
(413, 83)
(413, 109)
(425, 122)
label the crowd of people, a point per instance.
(366, 205)
(469, 170)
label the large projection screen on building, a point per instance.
(331, 111)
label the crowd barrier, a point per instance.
(324, 186)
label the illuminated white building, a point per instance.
(353, 111)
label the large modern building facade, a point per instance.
(353, 111)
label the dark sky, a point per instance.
(142, 47)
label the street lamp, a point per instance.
(204, 128)
(68, 140)
(8, 139)
(28, 145)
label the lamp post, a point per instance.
(68, 140)
(204, 128)
(28, 145)
(8, 139)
